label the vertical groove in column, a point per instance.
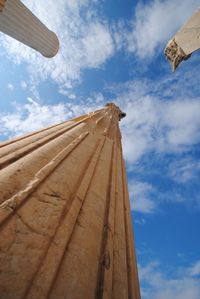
(120, 282)
(73, 277)
(133, 280)
(69, 203)
(63, 234)
(108, 271)
(114, 224)
(104, 281)
(73, 240)
(90, 256)
(105, 254)
(129, 272)
(28, 147)
(17, 144)
(76, 119)
(18, 199)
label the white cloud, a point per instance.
(33, 116)
(85, 41)
(10, 87)
(184, 170)
(195, 269)
(140, 196)
(67, 92)
(30, 100)
(155, 122)
(152, 125)
(183, 120)
(98, 98)
(140, 221)
(23, 84)
(155, 22)
(158, 124)
(72, 96)
(158, 286)
(97, 45)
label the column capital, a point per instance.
(175, 54)
(120, 113)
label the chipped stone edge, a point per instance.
(175, 54)
(13, 202)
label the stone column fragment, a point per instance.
(185, 41)
(17, 21)
(65, 222)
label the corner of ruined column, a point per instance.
(175, 54)
(121, 113)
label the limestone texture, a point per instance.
(65, 223)
(17, 21)
(185, 41)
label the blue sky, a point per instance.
(113, 51)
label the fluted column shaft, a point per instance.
(65, 215)
(17, 21)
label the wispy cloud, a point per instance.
(23, 84)
(155, 283)
(141, 197)
(185, 170)
(160, 126)
(194, 270)
(30, 100)
(153, 124)
(85, 41)
(10, 87)
(33, 116)
(155, 22)
(157, 121)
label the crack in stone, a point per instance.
(52, 194)
(79, 224)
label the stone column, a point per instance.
(17, 21)
(65, 215)
(185, 41)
